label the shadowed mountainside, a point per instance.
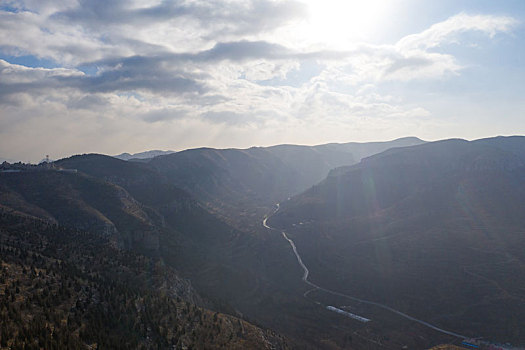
(435, 230)
(235, 271)
(141, 211)
(65, 288)
(83, 202)
(243, 183)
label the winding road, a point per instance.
(306, 272)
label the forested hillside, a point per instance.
(64, 288)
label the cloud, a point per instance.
(164, 114)
(135, 74)
(414, 56)
(89, 102)
(448, 31)
(121, 80)
(213, 68)
(404, 63)
(238, 17)
(233, 51)
(227, 117)
(69, 32)
(244, 50)
(420, 65)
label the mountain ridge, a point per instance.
(405, 221)
(375, 229)
(142, 155)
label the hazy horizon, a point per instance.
(81, 77)
(66, 155)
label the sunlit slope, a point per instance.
(436, 230)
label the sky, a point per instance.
(82, 76)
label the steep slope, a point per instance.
(80, 201)
(64, 288)
(231, 175)
(190, 237)
(314, 162)
(237, 272)
(241, 184)
(142, 181)
(436, 231)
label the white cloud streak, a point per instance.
(448, 31)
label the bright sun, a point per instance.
(337, 23)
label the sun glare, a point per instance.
(338, 23)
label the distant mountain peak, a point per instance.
(143, 155)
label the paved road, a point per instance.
(306, 272)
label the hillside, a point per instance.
(435, 230)
(131, 205)
(64, 288)
(241, 185)
(83, 202)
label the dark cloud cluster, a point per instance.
(165, 73)
(233, 51)
(227, 17)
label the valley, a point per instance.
(363, 233)
(352, 298)
(262, 174)
(409, 247)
